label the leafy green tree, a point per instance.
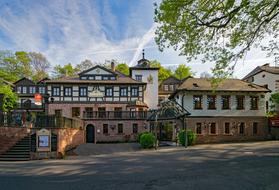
(164, 72)
(14, 66)
(218, 31)
(10, 98)
(65, 71)
(182, 71)
(123, 68)
(40, 65)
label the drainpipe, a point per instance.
(183, 120)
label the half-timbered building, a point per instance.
(112, 104)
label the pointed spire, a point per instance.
(142, 53)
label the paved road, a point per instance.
(226, 166)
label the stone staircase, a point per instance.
(20, 151)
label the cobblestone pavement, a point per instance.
(219, 166)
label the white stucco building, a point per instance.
(143, 72)
(267, 76)
(234, 110)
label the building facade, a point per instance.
(112, 105)
(235, 110)
(267, 76)
(167, 87)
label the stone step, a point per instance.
(15, 156)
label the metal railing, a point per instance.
(116, 115)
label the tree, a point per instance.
(40, 65)
(218, 31)
(182, 71)
(123, 68)
(10, 98)
(16, 65)
(84, 65)
(65, 71)
(164, 73)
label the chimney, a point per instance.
(112, 65)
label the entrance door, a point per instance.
(90, 133)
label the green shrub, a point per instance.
(191, 137)
(139, 135)
(147, 140)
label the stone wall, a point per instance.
(15, 132)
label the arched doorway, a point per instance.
(90, 133)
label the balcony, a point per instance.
(116, 115)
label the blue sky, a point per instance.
(75, 30)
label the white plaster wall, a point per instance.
(151, 92)
(269, 79)
(189, 105)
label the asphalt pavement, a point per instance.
(218, 166)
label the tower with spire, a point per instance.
(145, 73)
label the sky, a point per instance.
(100, 30)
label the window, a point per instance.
(135, 128)
(241, 128)
(83, 78)
(211, 100)
(254, 102)
(58, 113)
(24, 90)
(266, 106)
(225, 102)
(213, 128)
(109, 91)
(139, 78)
(88, 112)
(102, 112)
(134, 91)
(67, 91)
(55, 91)
(227, 128)
(105, 77)
(255, 128)
(240, 102)
(75, 112)
(83, 91)
(18, 89)
(42, 89)
(117, 113)
(132, 113)
(171, 87)
(197, 99)
(166, 87)
(120, 128)
(32, 89)
(105, 128)
(123, 91)
(198, 128)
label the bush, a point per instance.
(147, 140)
(139, 135)
(191, 137)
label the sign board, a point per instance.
(275, 121)
(43, 140)
(38, 99)
(96, 94)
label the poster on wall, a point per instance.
(43, 141)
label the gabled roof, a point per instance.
(25, 81)
(265, 67)
(229, 85)
(95, 67)
(43, 80)
(171, 80)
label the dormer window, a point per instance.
(105, 78)
(139, 78)
(83, 78)
(91, 78)
(24, 90)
